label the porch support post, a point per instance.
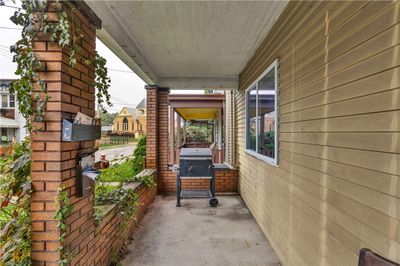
(178, 131)
(171, 135)
(163, 161)
(178, 137)
(152, 127)
(220, 137)
(184, 131)
(53, 160)
(157, 131)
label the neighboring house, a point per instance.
(131, 120)
(11, 121)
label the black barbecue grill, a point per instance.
(196, 163)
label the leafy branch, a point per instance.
(102, 81)
(31, 18)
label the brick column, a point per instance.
(152, 127)
(157, 133)
(53, 161)
(163, 105)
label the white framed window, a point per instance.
(4, 101)
(125, 124)
(262, 116)
(11, 102)
(7, 101)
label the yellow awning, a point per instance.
(197, 113)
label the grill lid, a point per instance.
(196, 152)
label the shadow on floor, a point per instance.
(196, 234)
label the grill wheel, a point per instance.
(213, 202)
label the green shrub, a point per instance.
(126, 171)
(139, 155)
(198, 132)
(105, 194)
(122, 172)
(126, 200)
(15, 222)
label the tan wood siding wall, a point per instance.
(337, 187)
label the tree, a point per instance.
(107, 119)
(199, 131)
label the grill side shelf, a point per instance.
(196, 194)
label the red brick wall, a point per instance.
(226, 180)
(109, 236)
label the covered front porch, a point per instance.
(205, 112)
(292, 137)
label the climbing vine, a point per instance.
(126, 200)
(63, 210)
(30, 90)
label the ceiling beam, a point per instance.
(87, 12)
(200, 83)
(118, 39)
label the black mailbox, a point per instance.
(85, 174)
(79, 132)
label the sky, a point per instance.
(127, 89)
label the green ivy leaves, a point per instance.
(102, 82)
(33, 19)
(63, 210)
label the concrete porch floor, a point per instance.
(196, 234)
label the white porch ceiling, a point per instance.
(186, 45)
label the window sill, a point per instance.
(262, 158)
